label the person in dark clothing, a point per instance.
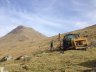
(64, 44)
(51, 46)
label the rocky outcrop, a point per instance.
(6, 58)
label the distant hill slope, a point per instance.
(89, 31)
(22, 33)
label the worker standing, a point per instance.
(51, 45)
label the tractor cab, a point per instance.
(71, 36)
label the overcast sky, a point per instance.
(49, 17)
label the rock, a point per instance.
(6, 58)
(24, 58)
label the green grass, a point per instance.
(69, 61)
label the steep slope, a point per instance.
(22, 33)
(21, 40)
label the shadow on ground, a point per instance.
(89, 64)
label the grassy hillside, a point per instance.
(69, 61)
(21, 40)
(90, 32)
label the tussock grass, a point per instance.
(69, 61)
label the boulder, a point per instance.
(6, 58)
(24, 58)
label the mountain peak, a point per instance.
(18, 29)
(20, 26)
(22, 33)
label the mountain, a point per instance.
(22, 33)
